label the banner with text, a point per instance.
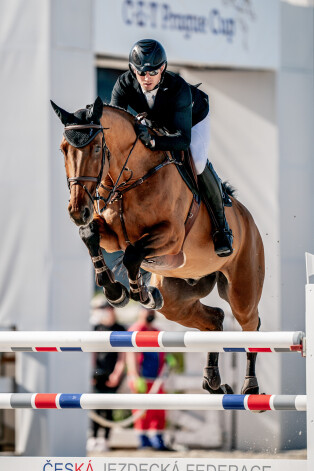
(223, 33)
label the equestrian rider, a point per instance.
(184, 110)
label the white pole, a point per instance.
(191, 341)
(310, 373)
(153, 401)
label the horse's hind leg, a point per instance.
(116, 294)
(211, 378)
(250, 385)
(243, 294)
(182, 305)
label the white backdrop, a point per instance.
(47, 51)
(218, 33)
(45, 272)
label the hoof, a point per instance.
(250, 385)
(223, 389)
(122, 300)
(212, 377)
(155, 299)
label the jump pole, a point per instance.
(250, 402)
(309, 323)
(191, 341)
(89, 401)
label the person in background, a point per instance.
(143, 368)
(108, 371)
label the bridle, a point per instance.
(117, 190)
(97, 180)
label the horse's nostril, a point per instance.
(86, 213)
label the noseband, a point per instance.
(97, 180)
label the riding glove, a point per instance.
(145, 137)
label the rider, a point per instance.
(184, 111)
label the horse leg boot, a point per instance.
(116, 294)
(211, 194)
(150, 297)
(250, 385)
(211, 379)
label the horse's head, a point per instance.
(84, 150)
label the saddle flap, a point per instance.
(187, 170)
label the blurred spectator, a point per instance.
(108, 371)
(143, 368)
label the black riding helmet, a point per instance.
(147, 55)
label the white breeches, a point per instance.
(200, 137)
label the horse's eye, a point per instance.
(98, 149)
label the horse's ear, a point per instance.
(98, 108)
(64, 116)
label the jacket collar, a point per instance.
(159, 97)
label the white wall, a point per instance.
(244, 151)
(45, 272)
(295, 99)
(262, 141)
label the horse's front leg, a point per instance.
(116, 294)
(160, 240)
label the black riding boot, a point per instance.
(211, 194)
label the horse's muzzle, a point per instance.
(81, 216)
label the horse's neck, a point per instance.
(120, 138)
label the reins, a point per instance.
(118, 190)
(114, 189)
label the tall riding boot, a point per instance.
(211, 194)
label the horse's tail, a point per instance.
(229, 189)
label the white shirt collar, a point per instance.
(150, 96)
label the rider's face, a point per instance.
(149, 82)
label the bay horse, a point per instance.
(126, 197)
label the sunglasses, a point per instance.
(152, 73)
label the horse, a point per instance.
(126, 197)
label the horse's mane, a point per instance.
(128, 114)
(131, 118)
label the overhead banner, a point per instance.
(223, 33)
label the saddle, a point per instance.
(186, 166)
(189, 175)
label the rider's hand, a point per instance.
(145, 137)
